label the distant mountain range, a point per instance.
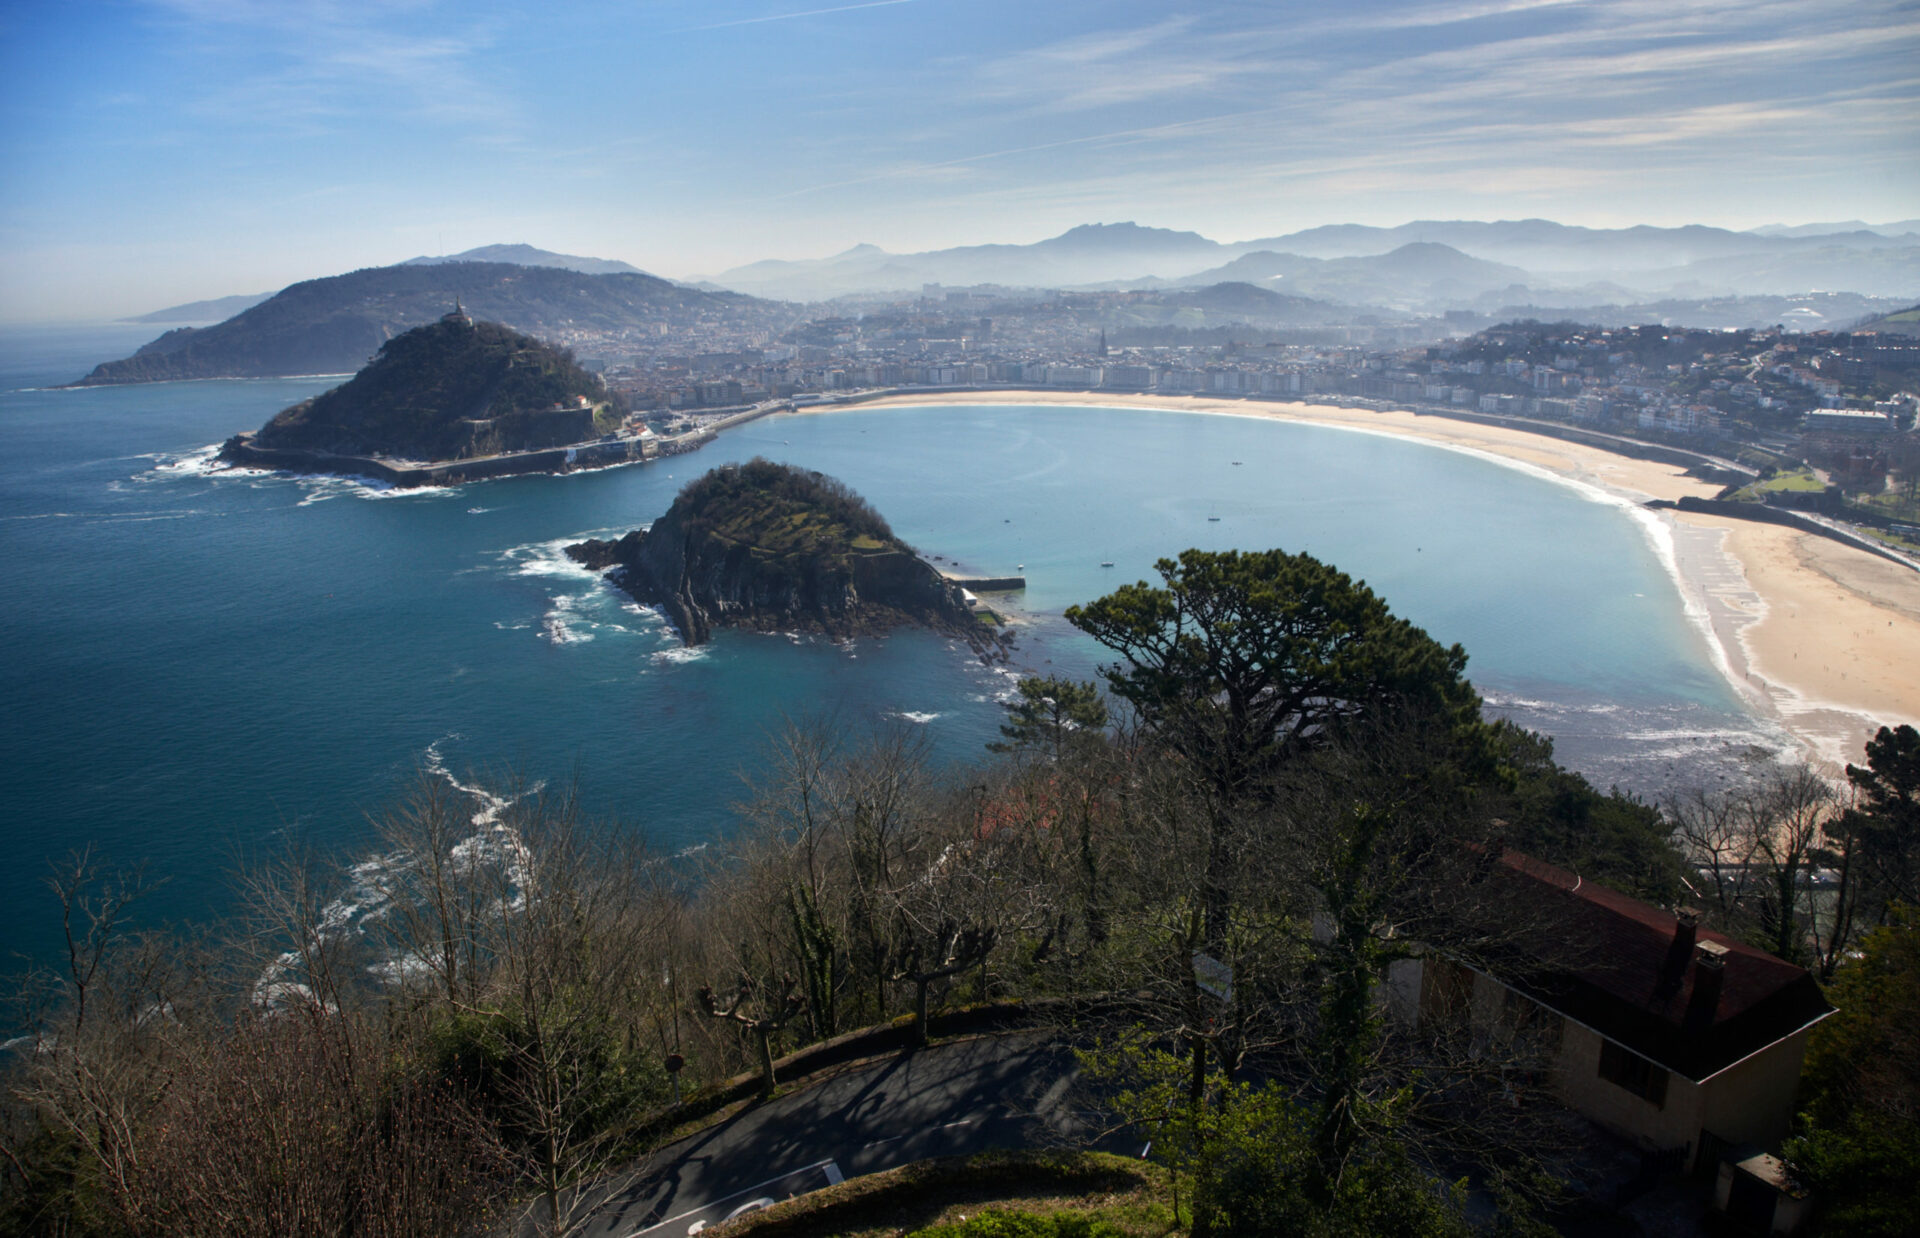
(1811, 276)
(528, 256)
(333, 325)
(1430, 265)
(222, 308)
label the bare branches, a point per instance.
(1757, 851)
(93, 913)
(761, 1013)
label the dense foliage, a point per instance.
(445, 391)
(1859, 1148)
(781, 509)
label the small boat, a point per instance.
(1236, 464)
(1106, 563)
(1214, 519)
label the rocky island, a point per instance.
(768, 547)
(450, 401)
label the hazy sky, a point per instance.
(157, 151)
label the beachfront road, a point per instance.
(963, 1097)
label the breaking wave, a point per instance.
(493, 857)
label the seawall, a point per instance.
(1762, 513)
(242, 450)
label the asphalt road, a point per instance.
(964, 1097)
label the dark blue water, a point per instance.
(199, 664)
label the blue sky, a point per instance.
(157, 151)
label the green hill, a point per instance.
(447, 391)
(1905, 322)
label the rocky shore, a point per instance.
(772, 549)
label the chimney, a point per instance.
(1673, 969)
(1686, 927)
(1709, 971)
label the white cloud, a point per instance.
(325, 62)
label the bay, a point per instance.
(204, 665)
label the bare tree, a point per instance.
(576, 933)
(1788, 817)
(437, 891)
(761, 1013)
(936, 953)
(1713, 830)
(1756, 850)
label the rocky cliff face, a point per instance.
(706, 571)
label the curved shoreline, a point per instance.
(1817, 636)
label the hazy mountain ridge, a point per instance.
(219, 309)
(333, 325)
(1421, 274)
(530, 256)
(1645, 261)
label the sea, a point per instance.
(203, 666)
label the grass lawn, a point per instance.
(1802, 479)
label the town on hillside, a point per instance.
(1817, 420)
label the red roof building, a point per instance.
(1677, 1037)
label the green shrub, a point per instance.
(995, 1223)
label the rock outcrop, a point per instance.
(767, 547)
(454, 389)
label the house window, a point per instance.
(1634, 1073)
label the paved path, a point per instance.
(964, 1097)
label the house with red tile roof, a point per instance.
(1680, 1039)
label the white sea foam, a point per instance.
(1496, 701)
(323, 486)
(908, 715)
(680, 654)
(548, 558)
(200, 462)
(561, 625)
(494, 850)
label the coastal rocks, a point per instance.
(769, 548)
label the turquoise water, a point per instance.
(202, 663)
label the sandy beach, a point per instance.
(1818, 635)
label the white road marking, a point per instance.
(1051, 1097)
(897, 1138)
(827, 1166)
